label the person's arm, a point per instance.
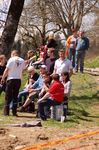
(54, 71)
(38, 62)
(33, 86)
(70, 72)
(67, 89)
(55, 66)
(5, 74)
(44, 97)
(26, 84)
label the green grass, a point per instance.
(92, 63)
(84, 97)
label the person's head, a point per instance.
(65, 77)
(3, 59)
(46, 77)
(43, 69)
(14, 53)
(51, 52)
(82, 33)
(31, 70)
(55, 77)
(30, 54)
(62, 54)
(75, 33)
(51, 35)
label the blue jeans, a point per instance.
(48, 102)
(24, 93)
(79, 58)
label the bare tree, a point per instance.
(69, 13)
(11, 25)
(35, 20)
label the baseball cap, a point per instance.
(43, 66)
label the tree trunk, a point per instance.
(11, 26)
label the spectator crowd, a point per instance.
(50, 85)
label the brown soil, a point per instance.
(15, 138)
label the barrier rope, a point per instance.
(61, 141)
(82, 146)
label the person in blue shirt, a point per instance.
(32, 78)
(35, 89)
(82, 44)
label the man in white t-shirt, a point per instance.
(13, 72)
(63, 64)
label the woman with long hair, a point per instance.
(67, 87)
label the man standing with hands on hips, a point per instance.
(13, 72)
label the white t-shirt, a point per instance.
(15, 65)
(62, 66)
(67, 88)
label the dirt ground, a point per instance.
(16, 138)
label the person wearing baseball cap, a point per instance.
(35, 89)
(32, 78)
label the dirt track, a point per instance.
(12, 138)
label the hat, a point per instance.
(43, 66)
(30, 68)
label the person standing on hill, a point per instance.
(71, 44)
(13, 72)
(82, 44)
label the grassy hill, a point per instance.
(82, 104)
(92, 63)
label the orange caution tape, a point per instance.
(61, 141)
(82, 146)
